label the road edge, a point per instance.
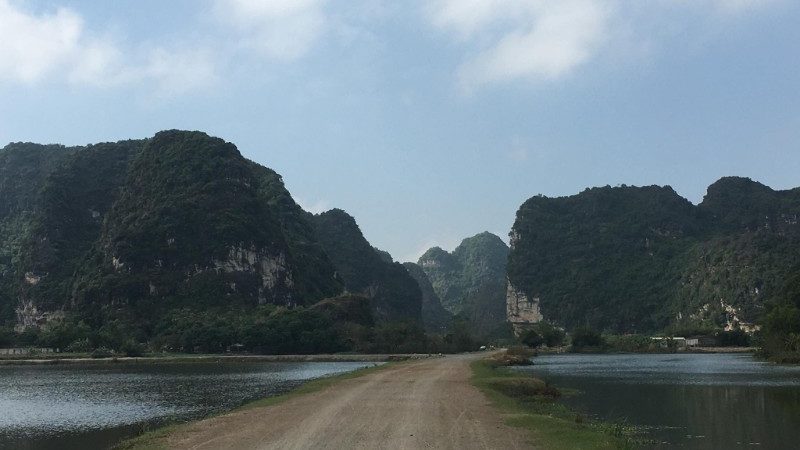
(155, 439)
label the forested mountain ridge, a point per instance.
(471, 281)
(24, 168)
(145, 233)
(394, 294)
(434, 316)
(142, 237)
(638, 259)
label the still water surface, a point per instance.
(694, 401)
(91, 406)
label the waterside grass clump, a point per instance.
(513, 356)
(532, 404)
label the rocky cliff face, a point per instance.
(471, 281)
(521, 311)
(633, 259)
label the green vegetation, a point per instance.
(470, 282)
(642, 259)
(533, 405)
(586, 339)
(434, 317)
(179, 243)
(543, 334)
(126, 240)
(394, 294)
(631, 343)
(340, 324)
(780, 337)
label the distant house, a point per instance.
(701, 341)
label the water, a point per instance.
(693, 401)
(91, 406)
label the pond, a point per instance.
(90, 406)
(694, 401)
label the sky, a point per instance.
(428, 121)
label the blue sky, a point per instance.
(429, 121)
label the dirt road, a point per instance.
(414, 405)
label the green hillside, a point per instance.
(638, 259)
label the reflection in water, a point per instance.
(95, 405)
(687, 401)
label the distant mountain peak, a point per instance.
(470, 280)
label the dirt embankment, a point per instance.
(415, 405)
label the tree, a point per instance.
(532, 339)
(584, 337)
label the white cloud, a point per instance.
(56, 46)
(314, 207)
(530, 40)
(283, 29)
(31, 46)
(546, 40)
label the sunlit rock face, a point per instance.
(521, 311)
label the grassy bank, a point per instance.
(534, 405)
(156, 439)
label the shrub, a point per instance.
(630, 343)
(733, 338)
(79, 346)
(60, 334)
(583, 338)
(7, 336)
(400, 337)
(132, 348)
(513, 356)
(102, 352)
(532, 339)
(524, 388)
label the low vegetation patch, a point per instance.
(513, 356)
(532, 404)
(523, 387)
